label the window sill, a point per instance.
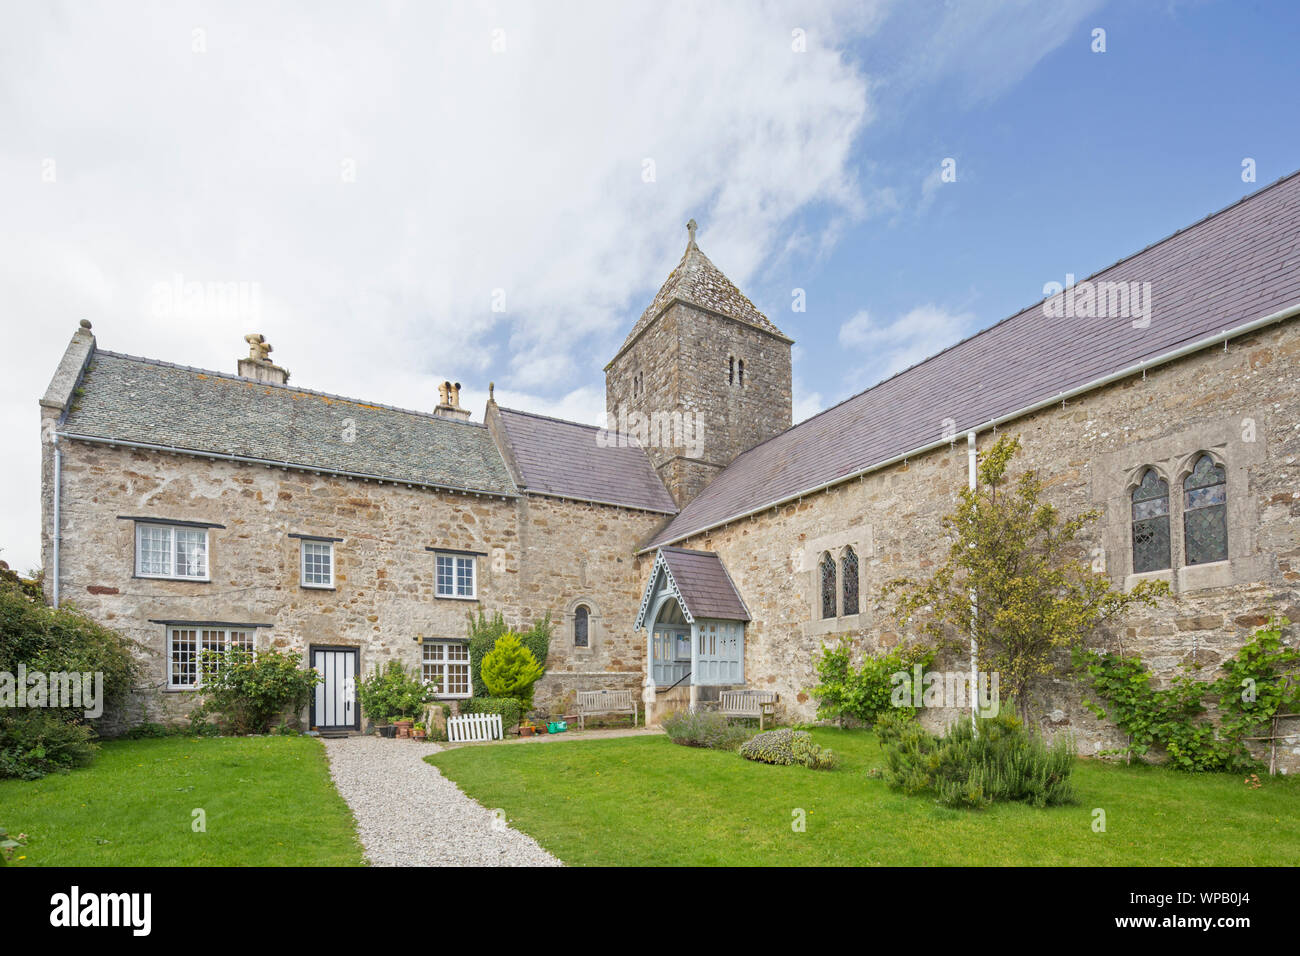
(318, 587)
(1196, 577)
(453, 597)
(168, 577)
(1165, 575)
(179, 690)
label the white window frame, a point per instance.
(172, 530)
(303, 545)
(457, 562)
(440, 665)
(200, 632)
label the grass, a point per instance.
(269, 801)
(646, 801)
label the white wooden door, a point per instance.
(335, 704)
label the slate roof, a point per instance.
(566, 458)
(141, 400)
(1237, 265)
(704, 584)
(698, 281)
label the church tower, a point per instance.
(703, 375)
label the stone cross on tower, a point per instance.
(690, 231)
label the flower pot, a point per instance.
(387, 730)
(526, 731)
(419, 734)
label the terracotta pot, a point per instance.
(526, 731)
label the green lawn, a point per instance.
(269, 801)
(647, 801)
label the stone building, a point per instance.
(705, 542)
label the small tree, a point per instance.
(511, 670)
(249, 691)
(1013, 576)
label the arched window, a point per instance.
(828, 585)
(740, 379)
(1151, 524)
(731, 370)
(1205, 512)
(581, 625)
(849, 581)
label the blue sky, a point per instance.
(492, 192)
(1086, 159)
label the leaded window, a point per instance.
(828, 586)
(1205, 512)
(191, 652)
(849, 574)
(1151, 524)
(446, 666)
(581, 626)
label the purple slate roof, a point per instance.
(705, 585)
(562, 458)
(1234, 266)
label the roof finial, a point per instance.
(492, 387)
(690, 231)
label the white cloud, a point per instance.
(893, 346)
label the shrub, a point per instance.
(249, 691)
(785, 747)
(9, 844)
(511, 670)
(34, 743)
(970, 767)
(483, 631)
(708, 729)
(865, 693)
(391, 692)
(44, 639)
(507, 707)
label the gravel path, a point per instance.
(409, 814)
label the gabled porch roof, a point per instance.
(700, 582)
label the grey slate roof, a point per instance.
(698, 281)
(565, 458)
(1237, 265)
(140, 400)
(704, 584)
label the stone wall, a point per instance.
(539, 555)
(1242, 404)
(383, 601)
(578, 553)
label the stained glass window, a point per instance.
(849, 572)
(828, 585)
(1151, 524)
(581, 620)
(1205, 512)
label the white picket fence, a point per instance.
(469, 727)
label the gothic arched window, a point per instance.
(581, 625)
(1151, 524)
(1205, 512)
(849, 576)
(828, 585)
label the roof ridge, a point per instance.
(1006, 319)
(630, 439)
(288, 388)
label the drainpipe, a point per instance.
(974, 600)
(58, 483)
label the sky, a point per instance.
(403, 193)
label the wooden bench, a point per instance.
(749, 703)
(592, 702)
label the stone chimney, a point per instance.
(449, 402)
(258, 366)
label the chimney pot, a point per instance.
(258, 366)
